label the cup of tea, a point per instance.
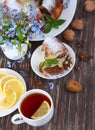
(35, 108)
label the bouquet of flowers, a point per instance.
(17, 26)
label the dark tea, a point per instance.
(31, 103)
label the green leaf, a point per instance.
(30, 45)
(14, 43)
(0, 43)
(48, 19)
(19, 47)
(7, 22)
(48, 28)
(54, 25)
(51, 23)
(59, 22)
(49, 62)
(43, 64)
(20, 34)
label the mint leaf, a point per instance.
(48, 28)
(59, 22)
(48, 19)
(49, 62)
(43, 64)
(51, 23)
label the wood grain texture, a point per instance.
(72, 111)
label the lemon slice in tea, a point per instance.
(41, 111)
(8, 101)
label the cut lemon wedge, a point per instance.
(15, 85)
(8, 101)
(3, 80)
(41, 111)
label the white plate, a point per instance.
(5, 112)
(37, 58)
(67, 14)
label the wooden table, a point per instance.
(73, 111)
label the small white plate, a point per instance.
(5, 112)
(37, 58)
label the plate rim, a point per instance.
(10, 110)
(57, 76)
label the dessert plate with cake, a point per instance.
(56, 9)
(53, 59)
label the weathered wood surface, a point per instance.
(73, 111)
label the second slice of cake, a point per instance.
(56, 57)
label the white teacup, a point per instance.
(22, 118)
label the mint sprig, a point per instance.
(51, 23)
(49, 62)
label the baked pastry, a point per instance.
(51, 7)
(56, 57)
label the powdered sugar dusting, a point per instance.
(49, 4)
(13, 4)
(53, 44)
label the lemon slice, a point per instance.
(8, 101)
(41, 111)
(3, 80)
(2, 74)
(15, 85)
